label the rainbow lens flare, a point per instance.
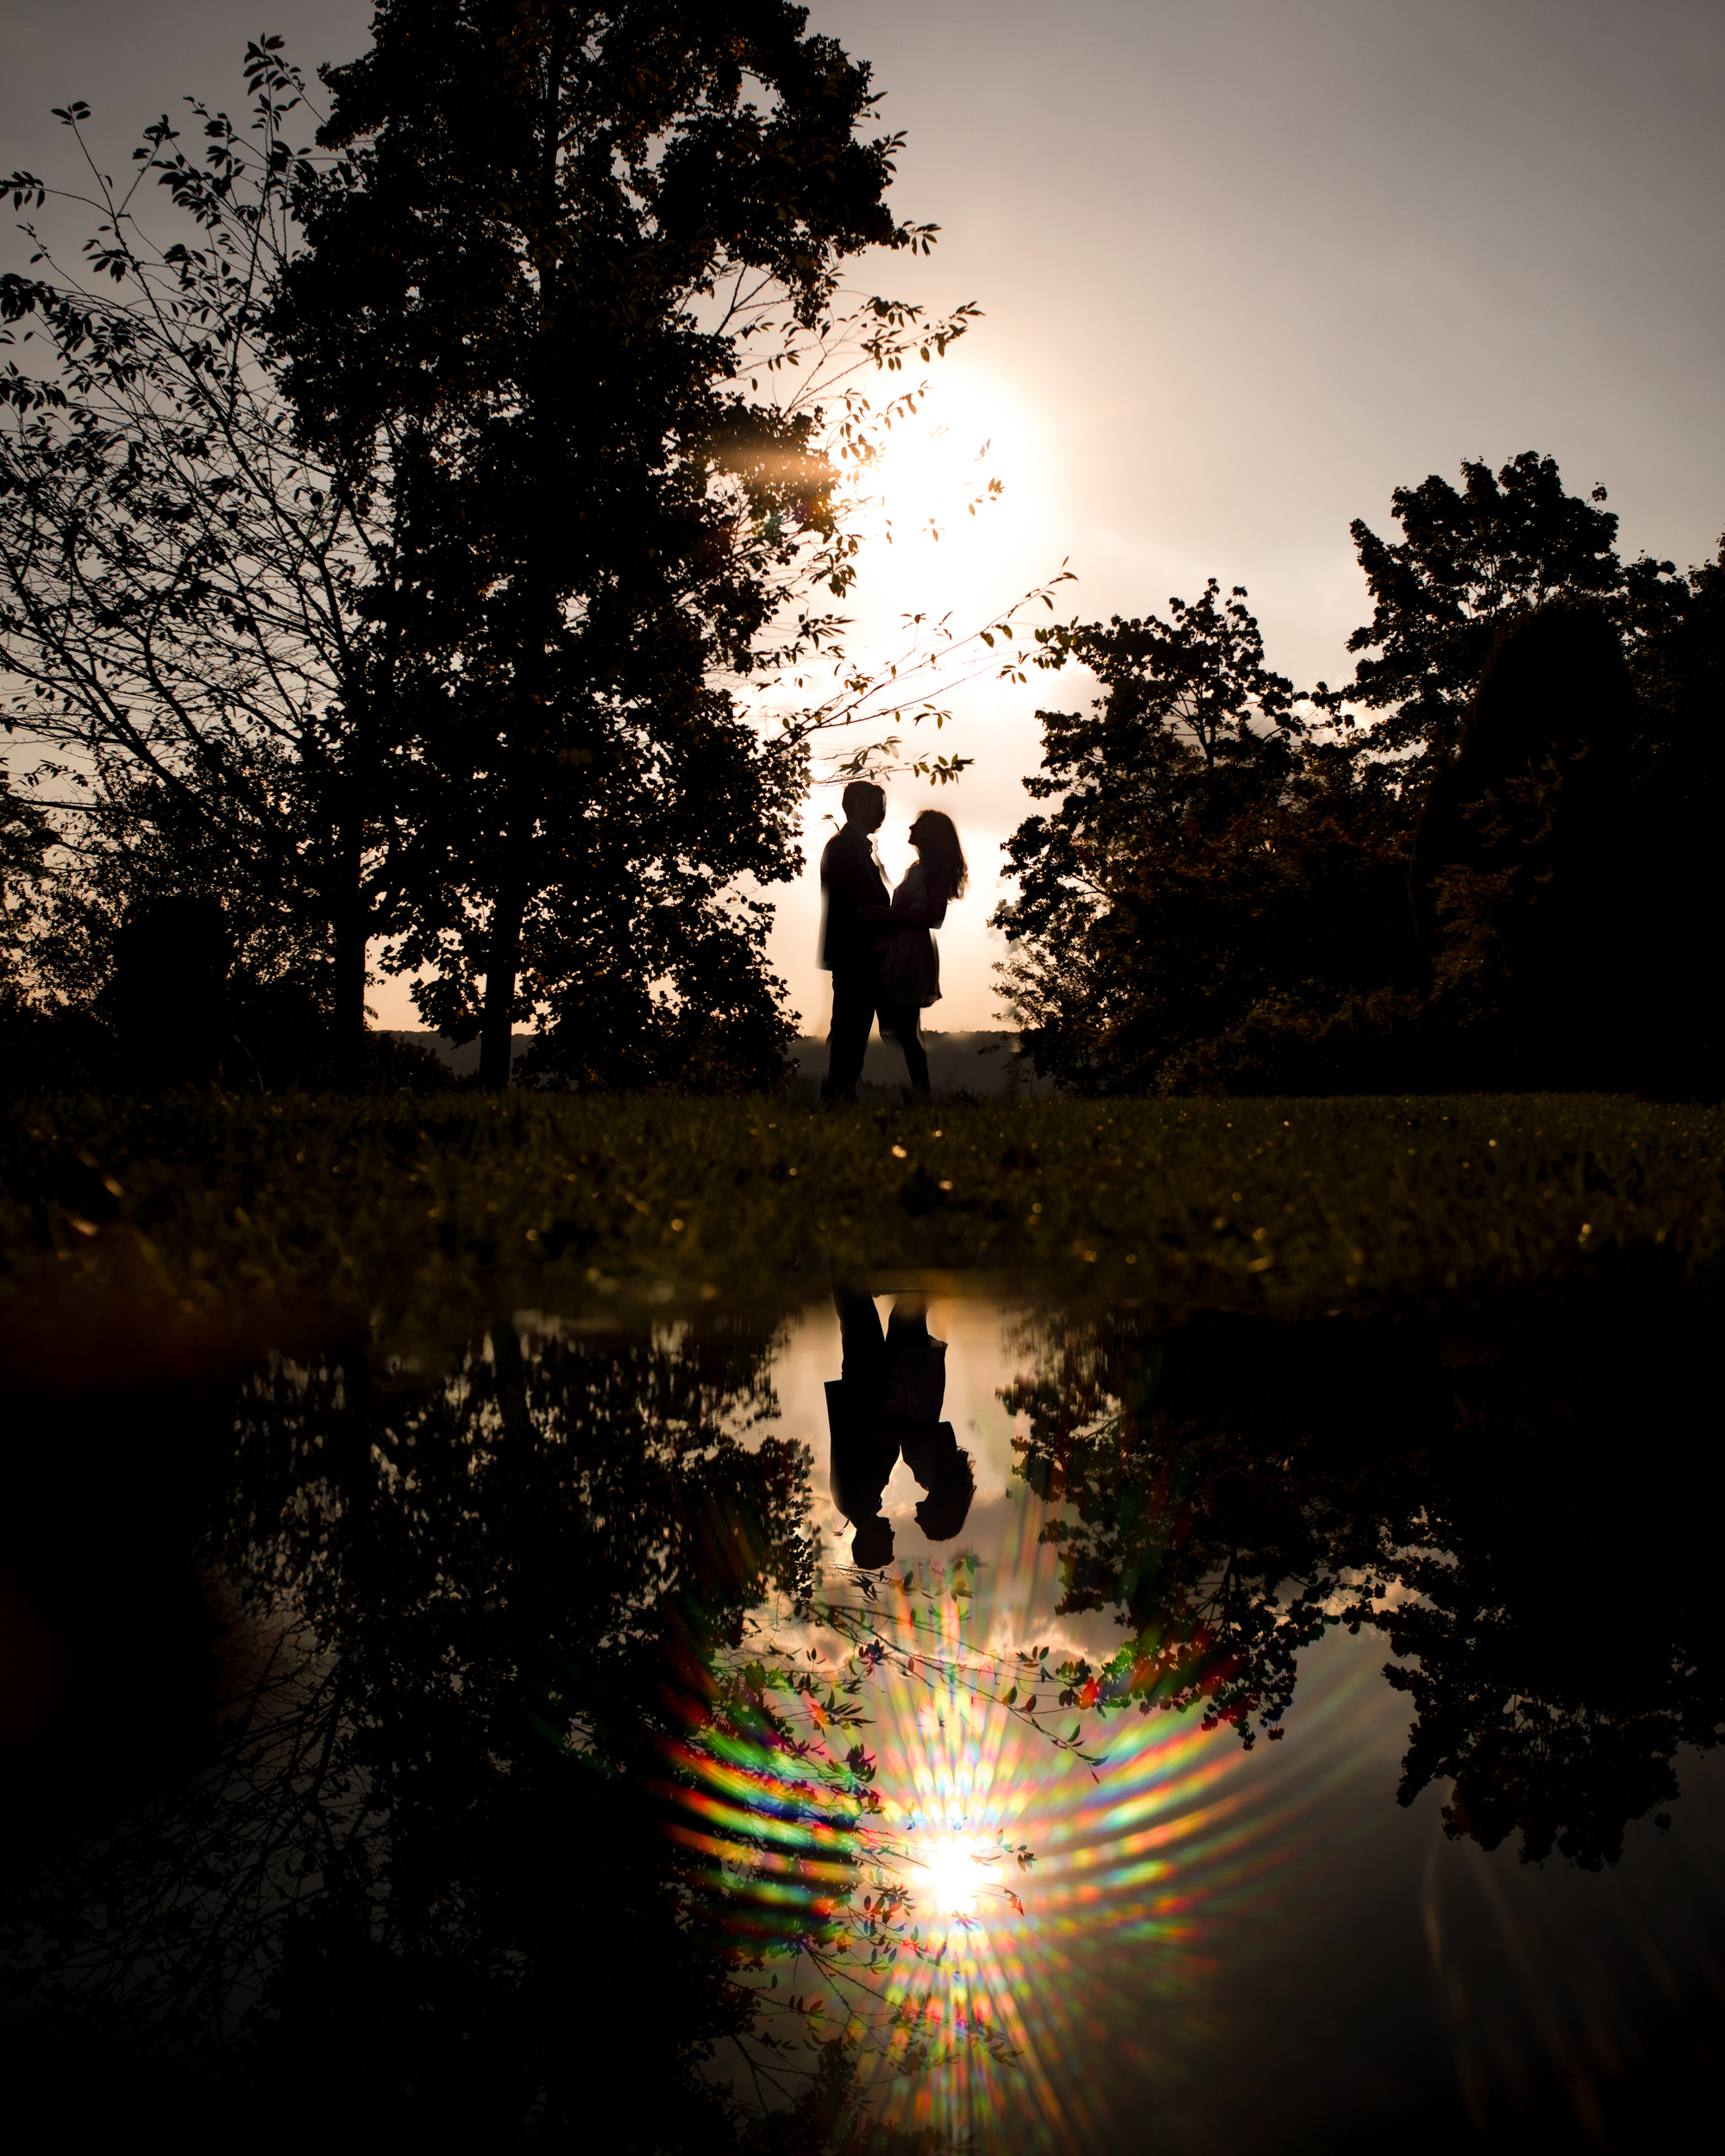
(1021, 1912)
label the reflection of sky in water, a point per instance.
(1221, 1951)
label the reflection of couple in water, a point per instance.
(887, 1401)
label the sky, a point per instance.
(1245, 267)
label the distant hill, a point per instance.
(463, 1060)
(981, 1063)
(958, 1062)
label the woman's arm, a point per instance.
(923, 909)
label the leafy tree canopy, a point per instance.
(25, 836)
(1467, 560)
(500, 642)
(181, 580)
(1219, 898)
(1185, 700)
(1209, 862)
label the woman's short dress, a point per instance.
(910, 960)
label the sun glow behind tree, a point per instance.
(956, 514)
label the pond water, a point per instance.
(911, 1720)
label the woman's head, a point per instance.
(936, 839)
(942, 1513)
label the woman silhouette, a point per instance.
(910, 963)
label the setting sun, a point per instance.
(968, 451)
(958, 1873)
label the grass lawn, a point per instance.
(138, 1236)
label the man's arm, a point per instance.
(846, 866)
(926, 908)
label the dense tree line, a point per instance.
(1482, 862)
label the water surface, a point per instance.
(433, 1746)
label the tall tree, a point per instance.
(1186, 701)
(1521, 882)
(1221, 897)
(1510, 554)
(1675, 625)
(567, 250)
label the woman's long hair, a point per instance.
(936, 838)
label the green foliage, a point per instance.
(142, 1234)
(179, 580)
(1196, 683)
(147, 843)
(462, 571)
(25, 837)
(118, 999)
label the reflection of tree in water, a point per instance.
(1521, 1500)
(425, 1877)
(500, 1562)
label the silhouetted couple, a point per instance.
(881, 950)
(887, 1401)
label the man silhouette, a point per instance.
(851, 879)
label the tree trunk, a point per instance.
(504, 962)
(542, 614)
(351, 924)
(350, 778)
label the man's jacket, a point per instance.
(849, 877)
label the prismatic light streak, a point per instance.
(964, 1780)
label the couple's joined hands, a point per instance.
(903, 917)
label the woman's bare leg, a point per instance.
(903, 1021)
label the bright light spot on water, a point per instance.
(956, 1874)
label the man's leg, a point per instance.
(863, 1345)
(853, 1014)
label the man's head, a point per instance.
(865, 804)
